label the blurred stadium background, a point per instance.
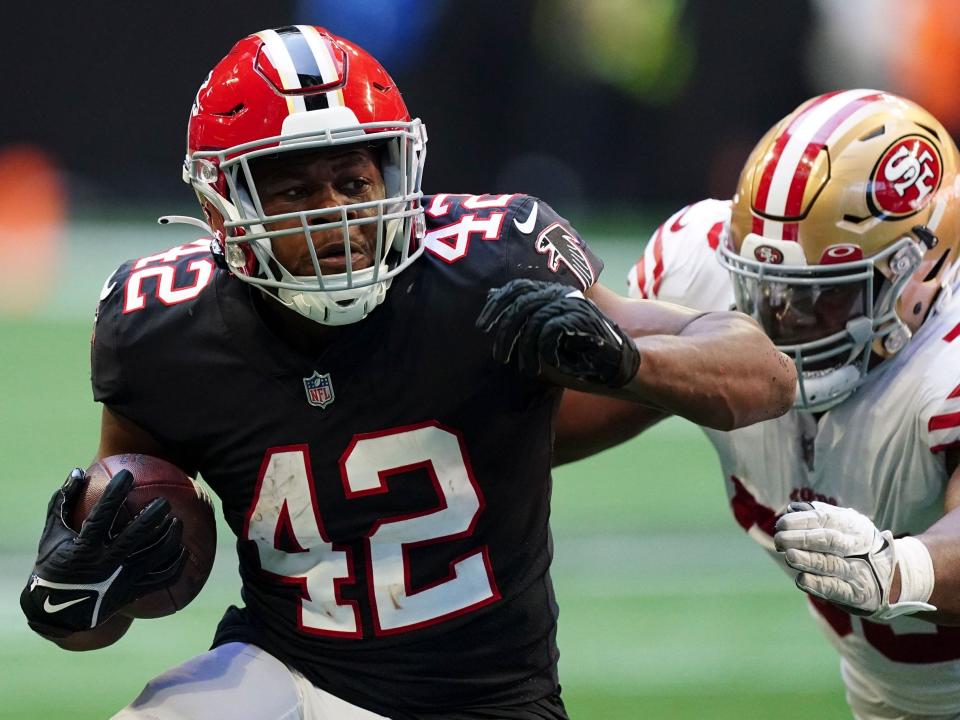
(617, 112)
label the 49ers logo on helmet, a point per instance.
(905, 177)
(768, 254)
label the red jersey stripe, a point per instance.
(677, 225)
(945, 446)
(713, 235)
(658, 260)
(953, 334)
(642, 276)
(940, 422)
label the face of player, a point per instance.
(794, 315)
(317, 180)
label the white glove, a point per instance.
(843, 558)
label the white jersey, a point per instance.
(881, 451)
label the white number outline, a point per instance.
(451, 242)
(303, 580)
(464, 563)
(134, 299)
(387, 604)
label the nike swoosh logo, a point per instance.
(678, 224)
(108, 286)
(57, 607)
(526, 227)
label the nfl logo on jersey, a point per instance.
(319, 389)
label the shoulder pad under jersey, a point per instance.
(143, 300)
(523, 234)
(939, 378)
(679, 263)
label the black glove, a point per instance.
(82, 579)
(548, 325)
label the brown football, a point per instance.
(152, 478)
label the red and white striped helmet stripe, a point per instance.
(784, 180)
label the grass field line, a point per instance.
(728, 560)
(722, 563)
(638, 613)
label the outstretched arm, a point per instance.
(716, 369)
(634, 361)
(587, 424)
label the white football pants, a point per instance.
(240, 682)
(866, 702)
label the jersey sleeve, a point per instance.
(679, 263)
(542, 245)
(940, 390)
(148, 311)
(106, 368)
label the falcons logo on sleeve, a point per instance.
(561, 245)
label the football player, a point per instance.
(376, 421)
(842, 241)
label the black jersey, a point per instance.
(391, 495)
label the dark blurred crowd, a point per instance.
(594, 103)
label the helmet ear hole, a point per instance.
(935, 270)
(880, 283)
(214, 218)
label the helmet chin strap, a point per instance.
(334, 307)
(818, 393)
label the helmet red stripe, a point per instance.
(763, 189)
(794, 204)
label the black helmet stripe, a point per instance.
(304, 62)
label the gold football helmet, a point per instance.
(845, 229)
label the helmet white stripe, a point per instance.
(772, 229)
(278, 54)
(321, 53)
(800, 137)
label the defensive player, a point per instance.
(379, 430)
(842, 241)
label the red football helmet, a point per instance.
(288, 90)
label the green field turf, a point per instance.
(667, 610)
